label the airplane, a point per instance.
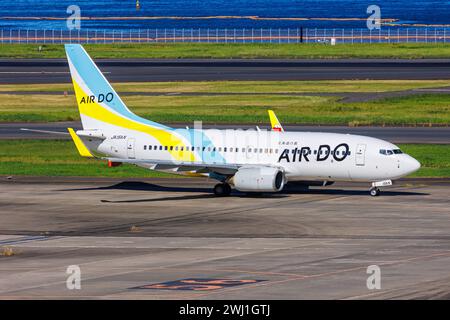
(249, 161)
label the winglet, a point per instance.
(276, 125)
(81, 147)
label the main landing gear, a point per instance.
(222, 189)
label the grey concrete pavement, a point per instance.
(436, 135)
(303, 245)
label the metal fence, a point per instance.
(298, 35)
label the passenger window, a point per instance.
(150, 147)
(145, 147)
(165, 148)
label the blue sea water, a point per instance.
(405, 11)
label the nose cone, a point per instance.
(411, 165)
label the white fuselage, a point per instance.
(301, 155)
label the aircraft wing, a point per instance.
(179, 166)
(276, 125)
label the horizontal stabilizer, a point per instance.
(81, 147)
(44, 131)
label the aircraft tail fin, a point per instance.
(98, 103)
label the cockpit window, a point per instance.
(390, 152)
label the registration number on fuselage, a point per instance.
(118, 136)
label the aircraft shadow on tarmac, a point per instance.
(206, 192)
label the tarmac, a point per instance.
(428, 135)
(172, 239)
(15, 71)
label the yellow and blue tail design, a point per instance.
(97, 99)
(101, 108)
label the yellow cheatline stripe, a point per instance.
(96, 111)
(274, 120)
(81, 147)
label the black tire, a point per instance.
(227, 189)
(222, 189)
(374, 192)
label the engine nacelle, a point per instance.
(259, 179)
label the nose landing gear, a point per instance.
(375, 191)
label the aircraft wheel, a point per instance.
(374, 192)
(222, 189)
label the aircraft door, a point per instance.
(360, 157)
(130, 148)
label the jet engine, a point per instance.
(258, 179)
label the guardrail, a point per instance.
(298, 35)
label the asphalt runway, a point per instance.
(142, 70)
(432, 135)
(133, 239)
